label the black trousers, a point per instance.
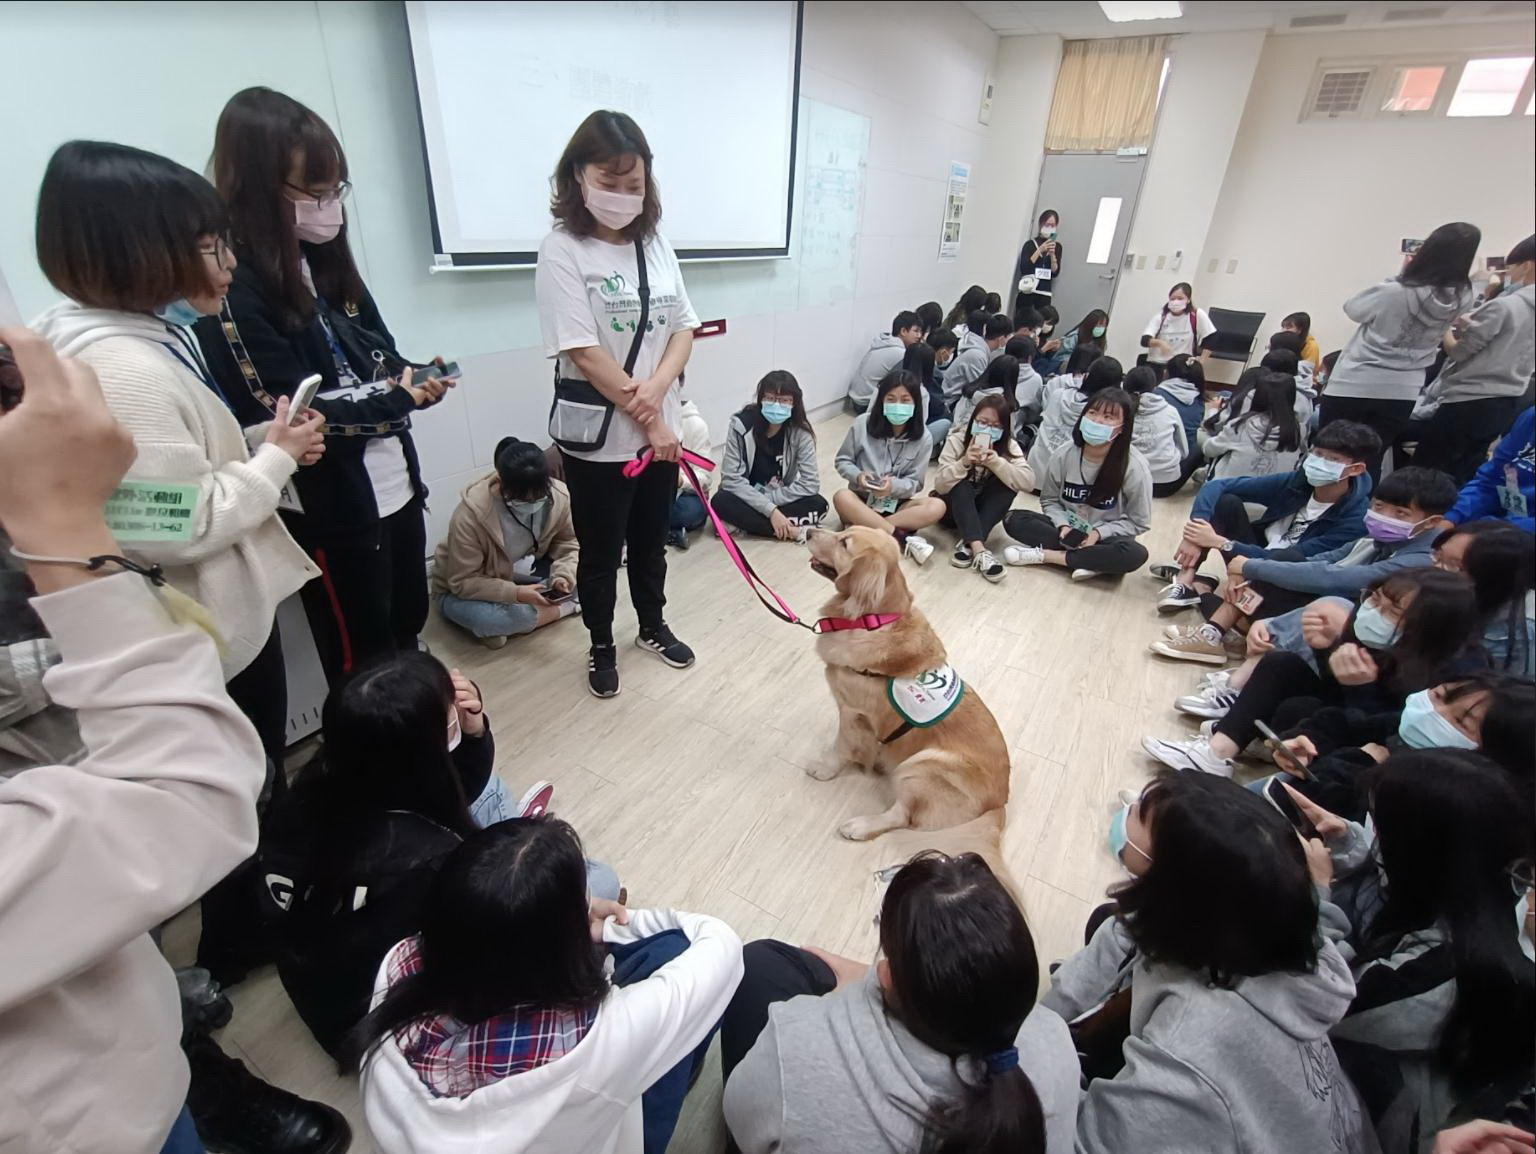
(975, 510)
(1457, 437)
(1276, 600)
(734, 511)
(1388, 418)
(260, 691)
(774, 972)
(1278, 678)
(1111, 555)
(609, 511)
(371, 599)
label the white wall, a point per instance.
(1313, 211)
(1208, 82)
(156, 76)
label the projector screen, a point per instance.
(500, 88)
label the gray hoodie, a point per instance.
(801, 477)
(1495, 353)
(1248, 446)
(1242, 1070)
(904, 461)
(1160, 436)
(1401, 327)
(1069, 476)
(1061, 405)
(972, 357)
(885, 354)
(838, 1075)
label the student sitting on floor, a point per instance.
(496, 1027)
(939, 1045)
(1093, 329)
(1064, 397)
(351, 850)
(1284, 356)
(1301, 325)
(1413, 629)
(1096, 497)
(1048, 341)
(1159, 432)
(687, 507)
(980, 472)
(769, 483)
(1506, 485)
(1405, 516)
(510, 549)
(1445, 998)
(943, 342)
(883, 355)
(971, 357)
(1202, 1006)
(1000, 380)
(883, 458)
(1183, 387)
(1263, 435)
(1319, 507)
(931, 314)
(1027, 322)
(1029, 395)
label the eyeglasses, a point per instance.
(325, 196)
(220, 251)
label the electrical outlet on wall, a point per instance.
(1231, 266)
(1141, 263)
(1178, 259)
(1161, 261)
(1211, 264)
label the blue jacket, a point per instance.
(1283, 494)
(1480, 496)
(1344, 571)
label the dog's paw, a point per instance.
(824, 772)
(859, 829)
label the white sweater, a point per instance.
(99, 853)
(241, 562)
(588, 1100)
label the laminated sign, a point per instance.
(928, 698)
(152, 511)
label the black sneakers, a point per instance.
(237, 1113)
(665, 646)
(603, 671)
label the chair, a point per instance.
(1236, 334)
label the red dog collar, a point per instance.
(868, 621)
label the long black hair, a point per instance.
(1111, 477)
(876, 421)
(1185, 368)
(1103, 373)
(1301, 322)
(505, 926)
(970, 301)
(1449, 826)
(1085, 332)
(1003, 410)
(1507, 736)
(963, 976)
(919, 361)
(1083, 357)
(1438, 625)
(1002, 373)
(1227, 893)
(1501, 562)
(779, 382)
(1265, 393)
(1445, 258)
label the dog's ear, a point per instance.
(863, 584)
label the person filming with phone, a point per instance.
(509, 564)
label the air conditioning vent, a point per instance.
(1321, 20)
(1396, 15)
(1341, 93)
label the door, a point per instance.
(1095, 195)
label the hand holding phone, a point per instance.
(555, 596)
(1284, 758)
(303, 397)
(1279, 797)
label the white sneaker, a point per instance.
(989, 567)
(1194, 754)
(1024, 555)
(918, 549)
(1084, 574)
(1214, 697)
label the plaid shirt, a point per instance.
(453, 1060)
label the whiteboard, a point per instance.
(500, 87)
(836, 157)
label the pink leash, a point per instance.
(687, 460)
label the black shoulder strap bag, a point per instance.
(580, 415)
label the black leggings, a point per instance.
(774, 972)
(1388, 418)
(1276, 600)
(734, 511)
(1457, 437)
(608, 511)
(1278, 678)
(1110, 555)
(975, 510)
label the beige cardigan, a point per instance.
(1013, 470)
(473, 563)
(241, 561)
(97, 854)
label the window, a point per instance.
(1106, 94)
(1103, 237)
(1340, 92)
(1490, 86)
(1413, 88)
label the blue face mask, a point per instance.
(1119, 838)
(1321, 471)
(179, 313)
(1097, 432)
(775, 412)
(898, 412)
(1373, 630)
(980, 432)
(1422, 726)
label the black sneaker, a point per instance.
(678, 539)
(237, 1113)
(603, 671)
(665, 646)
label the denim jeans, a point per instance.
(687, 511)
(663, 1102)
(183, 1137)
(489, 618)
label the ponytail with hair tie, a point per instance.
(1003, 1061)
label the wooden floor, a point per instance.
(692, 783)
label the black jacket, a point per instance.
(336, 915)
(256, 358)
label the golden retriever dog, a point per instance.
(943, 775)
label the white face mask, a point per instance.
(615, 210)
(1177, 306)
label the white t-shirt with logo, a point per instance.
(589, 297)
(1284, 533)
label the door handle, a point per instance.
(1106, 276)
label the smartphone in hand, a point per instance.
(1277, 796)
(555, 596)
(303, 397)
(1072, 538)
(1284, 758)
